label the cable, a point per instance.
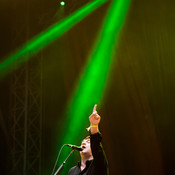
(57, 159)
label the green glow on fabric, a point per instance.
(91, 86)
(43, 39)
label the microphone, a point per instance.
(78, 148)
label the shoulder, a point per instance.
(72, 170)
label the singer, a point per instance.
(93, 159)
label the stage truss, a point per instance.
(26, 118)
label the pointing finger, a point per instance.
(94, 110)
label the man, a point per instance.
(93, 159)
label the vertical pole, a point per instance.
(25, 120)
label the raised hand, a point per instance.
(94, 120)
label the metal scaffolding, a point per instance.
(26, 118)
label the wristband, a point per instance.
(92, 126)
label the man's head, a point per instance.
(86, 153)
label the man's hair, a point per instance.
(86, 138)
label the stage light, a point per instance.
(62, 3)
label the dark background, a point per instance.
(138, 107)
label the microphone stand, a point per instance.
(61, 166)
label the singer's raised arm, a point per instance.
(100, 160)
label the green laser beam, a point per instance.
(91, 86)
(43, 39)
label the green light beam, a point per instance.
(91, 86)
(92, 83)
(39, 42)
